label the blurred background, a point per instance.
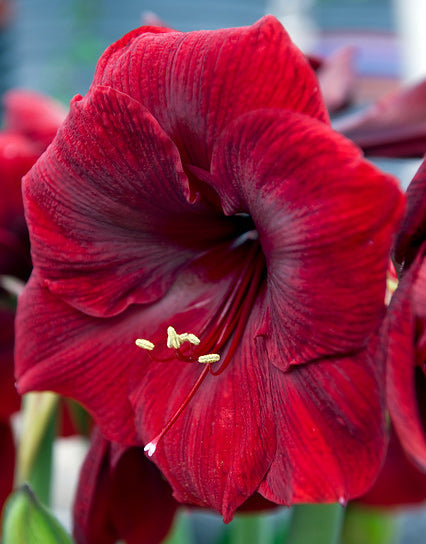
(52, 47)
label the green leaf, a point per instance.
(26, 521)
(315, 524)
(363, 525)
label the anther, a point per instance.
(209, 358)
(191, 338)
(144, 344)
(173, 340)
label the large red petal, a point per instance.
(400, 483)
(413, 229)
(405, 351)
(325, 219)
(77, 357)
(331, 429)
(220, 447)
(196, 83)
(110, 225)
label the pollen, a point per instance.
(173, 340)
(191, 338)
(209, 358)
(144, 344)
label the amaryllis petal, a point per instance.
(413, 229)
(400, 483)
(33, 115)
(326, 452)
(325, 240)
(224, 440)
(121, 495)
(395, 126)
(405, 410)
(76, 341)
(196, 83)
(132, 166)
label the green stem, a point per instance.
(34, 460)
(251, 529)
(315, 524)
(40, 477)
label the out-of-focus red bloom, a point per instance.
(395, 126)
(336, 77)
(121, 496)
(31, 121)
(181, 193)
(406, 328)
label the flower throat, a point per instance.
(224, 330)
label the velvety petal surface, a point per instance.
(220, 447)
(107, 209)
(412, 233)
(406, 383)
(77, 358)
(34, 115)
(315, 204)
(400, 483)
(330, 429)
(126, 499)
(196, 83)
(395, 126)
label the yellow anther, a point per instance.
(209, 358)
(391, 285)
(144, 344)
(173, 340)
(191, 338)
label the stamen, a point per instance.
(191, 338)
(209, 358)
(173, 340)
(144, 344)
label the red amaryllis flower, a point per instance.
(406, 327)
(395, 126)
(121, 495)
(197, 199)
